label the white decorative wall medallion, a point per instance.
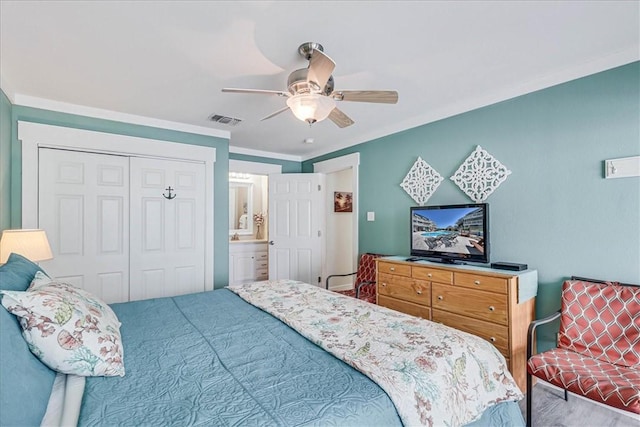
(421, 181)
(480, 174)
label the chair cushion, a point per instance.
(366, 273)
(613, 385)
(601, 321)
(367, 268)
(368, 291)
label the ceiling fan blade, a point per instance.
(379, 96)
(282, 110)
(320, 68)
(340, 118)
(258, 91)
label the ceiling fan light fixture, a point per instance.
(311, 107)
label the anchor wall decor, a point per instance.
(169, 196)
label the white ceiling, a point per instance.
(167, 61)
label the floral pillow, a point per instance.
(69, 329)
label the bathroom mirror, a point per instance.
(240, 208)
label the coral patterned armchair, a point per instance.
(365, 284)
(598, 353)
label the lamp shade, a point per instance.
(311, 107)
(31, 244)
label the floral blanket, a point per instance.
(434, 374)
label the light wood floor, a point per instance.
(550, 409)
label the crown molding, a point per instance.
(98, 113)
(260, 153)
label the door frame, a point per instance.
(36, 135)
(349, 161)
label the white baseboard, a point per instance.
(573, 395)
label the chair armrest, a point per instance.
(532, 328)
(337, 275)
(361, 284)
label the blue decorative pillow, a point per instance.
(26, 382)
(17, 273)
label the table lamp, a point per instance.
(31, 244)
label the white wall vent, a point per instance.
(231, 121)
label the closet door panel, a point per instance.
(167, 228)
(83, 204)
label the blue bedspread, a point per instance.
(212, 359)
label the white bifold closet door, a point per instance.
(112, 230)
(167, 235)
(83, 204)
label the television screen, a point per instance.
(451, 233)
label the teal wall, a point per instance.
(5, 161)
(288, 166)
(555, 212)
(221, 167)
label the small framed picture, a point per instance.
(342, 201)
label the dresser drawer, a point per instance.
(469, 302)
(418, 291)
(262, 264)
(391, 268)
(431, 274)
(262, 256)
(483, 283)
(498, 335)
(262, 274)
(405, 307)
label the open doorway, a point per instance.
(341, 217)
(248, 220)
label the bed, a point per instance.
(220, 358)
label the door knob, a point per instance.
(271, 242)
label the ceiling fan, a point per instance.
(311, 95)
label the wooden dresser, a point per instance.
(497, 305)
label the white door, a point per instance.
(295, 227)
(167, 228)
(83, 204)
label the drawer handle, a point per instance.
(383, 284)
(419, 292)
(392, 269)
(440, 297)
(476, 282)
(492, 308)
(492, 339)
(429, 275)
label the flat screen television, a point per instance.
(451, 233)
